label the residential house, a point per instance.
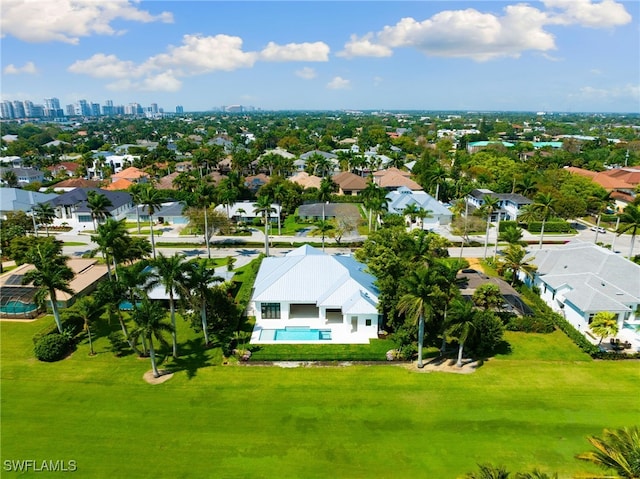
(66, 168)
(327, 211)
(72, 208)
(311, 290)
(393, 178)
(170, 213)
(254, 182)
(25, 176)
(73, 183)
(306, 180)
(620, 182)
(245, 211)
(349, 184)
(579, 280)
(509, 204)
(301, 163)
(438, 214)
(15, 199)
(475, 146)
(132, 174)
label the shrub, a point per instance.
(550, 227)
(504, 224)
(489, 333)
(539, 323)
(52, 347)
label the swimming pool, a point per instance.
(295, 333)
(17, 307)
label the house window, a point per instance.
(368, 322)
(591, 316)
(270, 310)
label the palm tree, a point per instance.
(279, 193)
(322, 228)
(134, 191)
(543, 206)
(604, 202)
(489, 206)
(45, 213)
(514, 260)
(99, 205)
(89, 311)
(170, 272)
(536, 474)
(419, 301)
(462, 324)
(327, 187)
(450, 284)
(51, 274)
(604, 324)
(512, 235)
(199, 281)
(152, 199)
(489, 471)
(111, 236)
(618, 449)
(149, 320)
(204, 194)
(263, 206)
(411, 210)
(371, 194)
(10, 178)
(630, 221)
(110, 294)
(424, 213)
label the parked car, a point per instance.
(599, 230)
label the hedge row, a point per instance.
(549, 227)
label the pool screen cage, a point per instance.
(18, 302)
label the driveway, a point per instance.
(476, 278)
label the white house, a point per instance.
(245, 211)
(579, 280)
(399, 199)
(308, 289)
(510, 204)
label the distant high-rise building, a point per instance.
(107, 108)
(71, 110)
(82, 108)
(6, 110)
(52, 108)
(95, 109)
(179, 109)
(154, 108)
(18, 109)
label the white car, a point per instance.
(599, 230)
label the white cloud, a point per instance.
(377, 81)
(68, 20)
(105, 66)
(604, 14)
(295, 52)
(339, 83)
(307, 73)
(628, 91)
(485, 36)
(363, 47)
(29, 68)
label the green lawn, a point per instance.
(532, 407)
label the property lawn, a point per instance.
(531, 407)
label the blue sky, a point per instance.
(551, 55)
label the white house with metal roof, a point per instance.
(307, 288)
(579, 280)
(399, 199)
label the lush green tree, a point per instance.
(462, 324)
(151, 198)
(487, 296)
(617, 450)
(51, 274)
(373, 197)
(513, 261)
(89, 310)
(110, 295)
(488, 334)
(512, 235)
(199, 281)
(45, 213)
(418, 303)
(99, 205)
(630, 222)
(604, 324)
(263, 206)
(149, 318)
(171, 273)
(10, 178)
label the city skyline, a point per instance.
(554, 55)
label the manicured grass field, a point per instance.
(531, 408)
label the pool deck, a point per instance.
(340, 334)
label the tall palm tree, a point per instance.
(371, 196)
(279, 193)
(490, 204)
(450, 284)
(462, 324)
(604, 201)
(204, 194)
(617, 449)
(45, 213)
(327, 188)
(149, 319)
(512, 235)
(134, 191)
(630, 221)
(152, 199)
(514, 261)
(51, 274)
(543, 206)
(411, 210)
(322, 228)
(89, 310)
(170, 272)
(263, 206)
(419, 301)
(199, 280)
(604, 324)
(110, 294)
(99, 205)
(423, 214)
(110, 237)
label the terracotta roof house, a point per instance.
(132, 174)
(349, 183)
(393, 178)
(308, 296)
(579, 280)
(121, 184)
(256, 181)
(621, 182)
(72, 183)
(68, 168)
(166, 182)
(306, 180)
